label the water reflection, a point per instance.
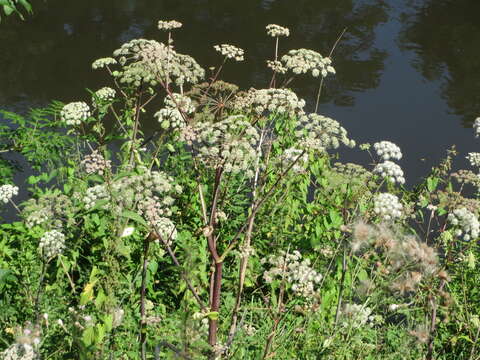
(49, 56)
(445, 35)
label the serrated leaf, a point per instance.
(134, 216)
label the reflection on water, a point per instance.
(49, 56)
(445, 35)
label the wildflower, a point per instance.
(52, 243)
(7, 192)
(387, 150)
(276, 66)
(169, 25)
(230, 51)
(302, 61)
(387, 206)
(277, 30)
(19, 352)
(105, 94)
(391, 170)
(75, 113)
(356, 316)
(321, 133)
(172, 116)
(278, 101)
(95, 163)
(103, 62)
(93, 194)
(467, 222)
(294, 156)
(166, 230)
(296, 272)
(127, 231)
(249, 329)
(474, 159)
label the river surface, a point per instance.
(408, 71)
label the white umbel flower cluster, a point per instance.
(75, 113)
(474, 159)
(95, 163)
(94, 194)
(292, 155)
(387, 150)
(52, 243)
(148, 62)
(103, 95)
(296, 272)
(302, 61)
(469, 226)
(230, 144)
(169, 25)
(276, 66)
(166, 229)
(320, 133)
(172, 116)
(391, 170)
(277, 30)
(103, 62)
(19, 352)
(7, 192)
(279, 101)
(355, 316)
(476, 127)
(387, 206)
(230, 51)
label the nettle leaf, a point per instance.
(134, 216)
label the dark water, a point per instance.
(408, 71)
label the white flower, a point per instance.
(75, 113)
(277, 30)
(52, 243)
(292, 155)
(355, 316)
(387, 150)
(105, 94)
(279, 101)
(230, 51)
(476, 126)
(474, 159)
(277, 66)
(103, 62)
(302, 61)
(391, 170)
(468, 223)
(7, 192)
(387, 206)
(166, 229)
(169, 25)
(127, 231)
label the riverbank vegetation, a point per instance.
(231, 232)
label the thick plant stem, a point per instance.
(215, 304)
(143, 333)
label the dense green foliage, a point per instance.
(230, 232)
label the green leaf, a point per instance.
(88, 336)
(8, 10)
(134, 216)
(26, 5)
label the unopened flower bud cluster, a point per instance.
(391, 170)
(298, 273)
(52, 243)
(230, 143)
(387, 206)
(469, 226)
(47, 210)
(176, 107)
(321, 133)
(294, 156)
(387, 150)
(355, 316)
(277, 30)
(474, 159)
(7, 192)
(95, 163)
(75, 113)
(103, 62)
(103, 95)
(279, 101)
(230, 51)
(169, 25)
(302, 61)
